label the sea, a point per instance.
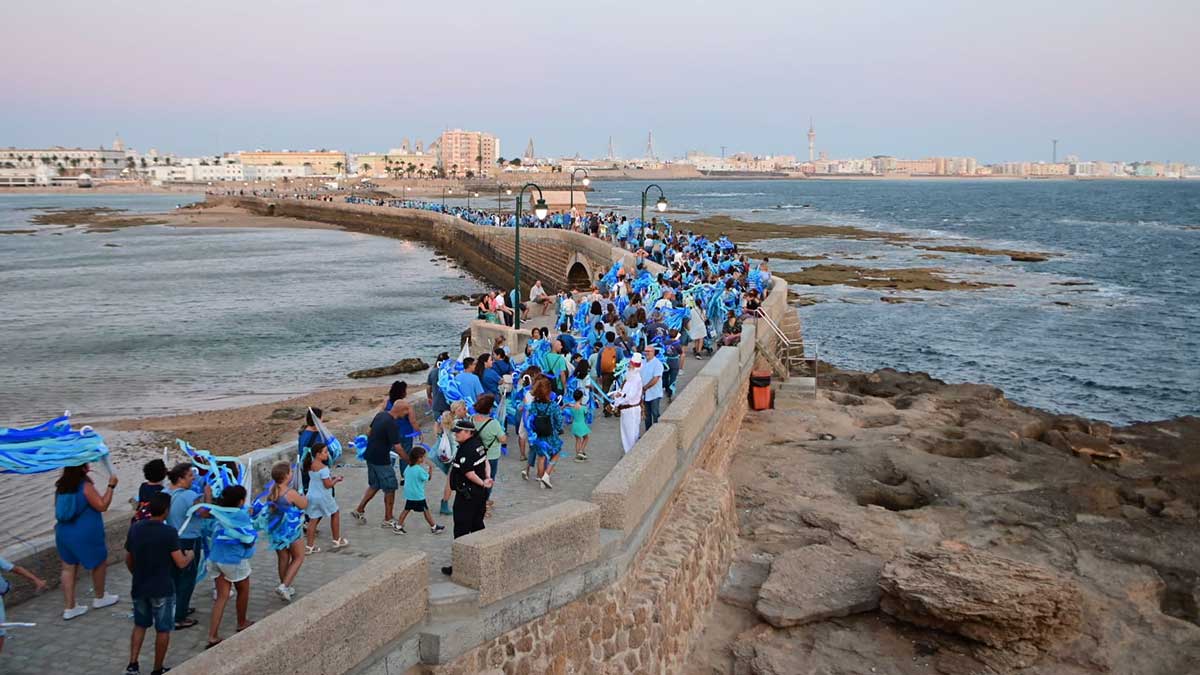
(1108, 328)
(159, 320)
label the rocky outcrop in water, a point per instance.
(410, 365)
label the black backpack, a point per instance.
(543, 426)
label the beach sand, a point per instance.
(132, 442)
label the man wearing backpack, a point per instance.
(629, 403)
(606, 363)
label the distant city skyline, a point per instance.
(1110, 80)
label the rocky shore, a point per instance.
(897, 524)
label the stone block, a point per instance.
(367, 608)
(818, 582)
(630, 489)
(508, 558)
(691, 410)
(723, 369)
(746, 346)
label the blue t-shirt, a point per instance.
(651, 369)
(151, 542)
(415, 478)
(5, 566)
(469, 385)
(491, 382)
(382, 438)
(181, 501)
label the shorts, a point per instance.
(382, 477)
(157, 612)
(233, 573)
(418, 505)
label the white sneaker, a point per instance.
(291, 592)
(108, 600)
(77, 610)
(545, 480)
(283, 593)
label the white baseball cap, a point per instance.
(636, 359)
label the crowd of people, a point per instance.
(615, 349)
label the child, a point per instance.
(579, 426)
(155, 472)
(320, 501)
(285, 525)
(38, 585)
(229, 563)
(415, 477)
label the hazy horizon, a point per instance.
(1110, 80)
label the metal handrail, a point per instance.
(774, 327)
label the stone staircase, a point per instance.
(796, 370)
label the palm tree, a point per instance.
(366, 168)
(338, 166)
(454, 170)
(144, 162)
(479, 160)
(411, 168)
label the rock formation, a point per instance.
(994, 600)
(402, 366)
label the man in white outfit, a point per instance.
(629, 402)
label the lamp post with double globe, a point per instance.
(540, 211)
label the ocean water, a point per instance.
(178, 319)
(1108, 328)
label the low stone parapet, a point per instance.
(690, 411)
(630, 489)
(723, 368)
(510, 557)
(332, 630)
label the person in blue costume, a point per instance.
(544, 424)
(229, 561)
(79, 535)
(284, 516)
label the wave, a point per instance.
(1192, 227)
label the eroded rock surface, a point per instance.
(988, 598)
(815, 583)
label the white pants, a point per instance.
(631, 426)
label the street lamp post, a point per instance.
(446, 190)
(469, 199)
(661, 205)
(507, 191)
(586, 182)
(540, 210)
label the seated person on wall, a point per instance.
(539, 299)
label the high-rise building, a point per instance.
(473, 151)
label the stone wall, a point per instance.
(644, 623)
(546, 254)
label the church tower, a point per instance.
(812, 141)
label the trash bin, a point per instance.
(761, 396)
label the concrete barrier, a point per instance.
(746, 346)
(331, 630)
(690, 411)
(630, 489)
(723, 369)
(512, 556)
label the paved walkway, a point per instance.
(98, 641)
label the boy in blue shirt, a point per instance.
(415, 477)
(39, 585)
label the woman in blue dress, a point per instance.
(544, 424)
(79, 535)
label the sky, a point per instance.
(997, 81)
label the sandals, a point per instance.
(310, 550)
(340, 543)
(212, 643)
(186, 623)
(360, 517)
(244, 627)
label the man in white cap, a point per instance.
(629, 403)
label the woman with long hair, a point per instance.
(79, 535)
(544, 426)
